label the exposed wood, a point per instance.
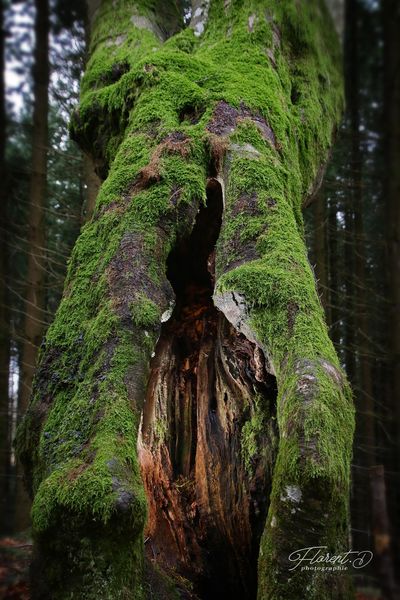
(207, 500)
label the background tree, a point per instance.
(36, 269)
(62, 205)
(391, 190)
(4, 302)
(354, 186)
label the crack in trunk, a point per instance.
(208, 438)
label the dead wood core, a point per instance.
(208, 437)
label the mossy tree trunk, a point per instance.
(189, 360)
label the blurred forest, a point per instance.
(47, 193)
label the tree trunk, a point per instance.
(382, 532)
(356, 244)
(36, 268)
(365, 436)
(334, 312)
(188, 388)
(5, 444)
(349, 233)
(93, 183)
(321, 260)
(391, 122)
(391, 14)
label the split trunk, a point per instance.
(187, 389)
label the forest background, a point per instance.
(47, 193)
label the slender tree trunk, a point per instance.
(5, 444)
(367, 436)
(335, 328)
(90, 176)
(382, 532)
(36, 269)
(391, 120)
(92, 182)
(351, 41)
(392, 187)
(357, 325)
(188, 388)
(362, 317)
(321, 259)
(356, 244)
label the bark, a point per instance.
(351, 41)
(336, 8)
(391, 123)
(357, 324)
(188, 388)
(382, 532)
(366, 406)
(391, 115)
(321, 259)
(207, 380)
(356, 242)
(93, 183)
(36, 268)
(90, 177)
(334, 312)
(4, 303)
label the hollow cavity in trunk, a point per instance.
(208, 437)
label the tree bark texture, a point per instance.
(36, 268)
(93, 183)
(188, 389)
(334, 311)
(391, 116)
(391, 21)
(382, 532)
(321, 255)
(4, 303)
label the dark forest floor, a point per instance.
(15, 554)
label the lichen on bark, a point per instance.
(249, 100)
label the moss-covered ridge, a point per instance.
(257, 97)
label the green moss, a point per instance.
(92, 559)
(144, 312)
(254, 439)
(160, 429)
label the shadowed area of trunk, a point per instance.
(207, 486)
